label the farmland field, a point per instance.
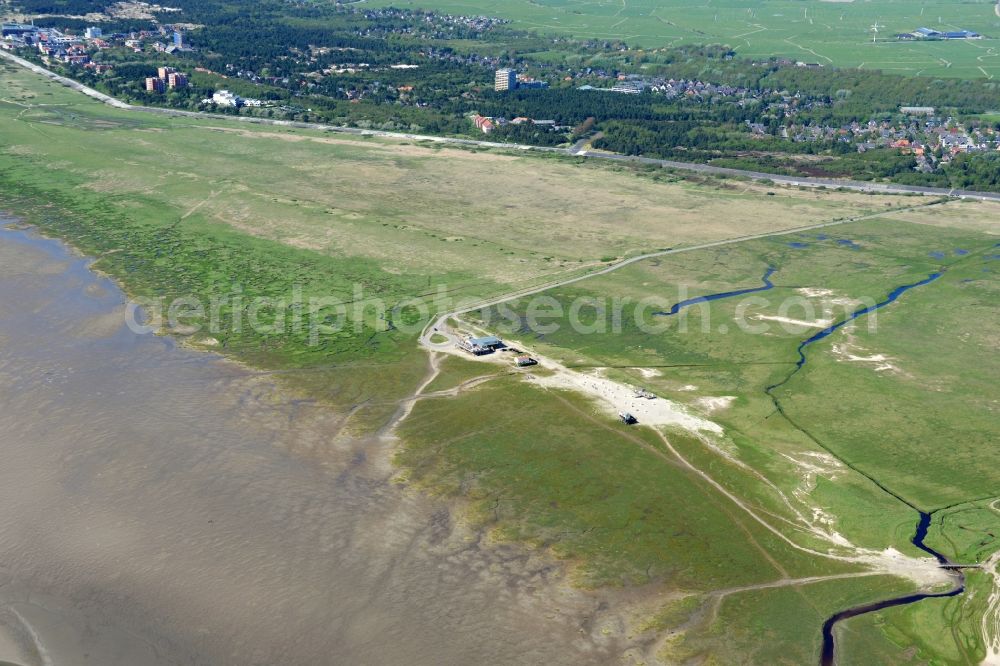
(825, 32)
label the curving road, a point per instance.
(577, 150)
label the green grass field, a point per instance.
(908, 405)
(827, 32)
(932, 356)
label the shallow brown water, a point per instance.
(154, 510)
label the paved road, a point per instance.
(576, 150)
(440, 325)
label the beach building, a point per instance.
(961, 34)
(930, 33)
(480, 346)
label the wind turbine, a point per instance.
(874, 32)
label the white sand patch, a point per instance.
(614, 398)
(849, 352)
(811, 465)
(816, 323)
(847, 356)
(810, 292)
(725, 448)
(816, 462)
(846, 302)
(830, 298)
(711, 404)
(990, 622)
(649, 373)
(924, 570)
(688, 387)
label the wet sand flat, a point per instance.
(153, 511)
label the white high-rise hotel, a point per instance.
(506, 79)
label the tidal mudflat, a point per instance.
(160, 505)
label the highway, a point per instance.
(577, 150)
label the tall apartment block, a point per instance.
(176, 80)
(506, 80)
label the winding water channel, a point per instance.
(829, 330)
(827, 657)
(680, 305)
(828, 652)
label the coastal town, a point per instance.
(520, 98)
(79, 49)
(932, 138)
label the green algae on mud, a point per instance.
(161, 506)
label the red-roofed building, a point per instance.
(485, 124)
